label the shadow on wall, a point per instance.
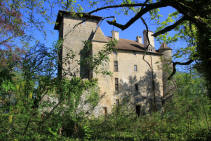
(86, 57)
(139, 95)
(85, 60)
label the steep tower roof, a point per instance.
(164, 47)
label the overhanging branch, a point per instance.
(147, 8)
(149, 64)
(179, 63)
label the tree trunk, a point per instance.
(204, 50)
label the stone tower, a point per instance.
(166, 66)
(74, 29)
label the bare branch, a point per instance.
(118, 6)
(143, 11)
(149, 64)
(179, 63)
(169, 28)
(147, 29)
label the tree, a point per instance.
(11, 24)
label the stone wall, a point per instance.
(75, 32)
(128, 78)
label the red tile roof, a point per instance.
(130, 45)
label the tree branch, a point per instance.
(6, 40)
(148, 43)
(143, 11)
(118, 6)
(169, 28)
(179, 63)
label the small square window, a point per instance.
(135, 68)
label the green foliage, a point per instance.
(186, 32)
(37, 106)
(93, 97)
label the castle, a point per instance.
(138, 77)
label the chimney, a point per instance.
(115, 35)
(151, 38)
(139, 39)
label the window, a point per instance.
(105, 111)
(116, 84)
(136, 87)
(115, 66)
(138, 110)
(115, 53)
(135, 68)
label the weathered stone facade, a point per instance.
(137, 78)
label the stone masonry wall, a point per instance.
(74, 35)
(128, 78)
